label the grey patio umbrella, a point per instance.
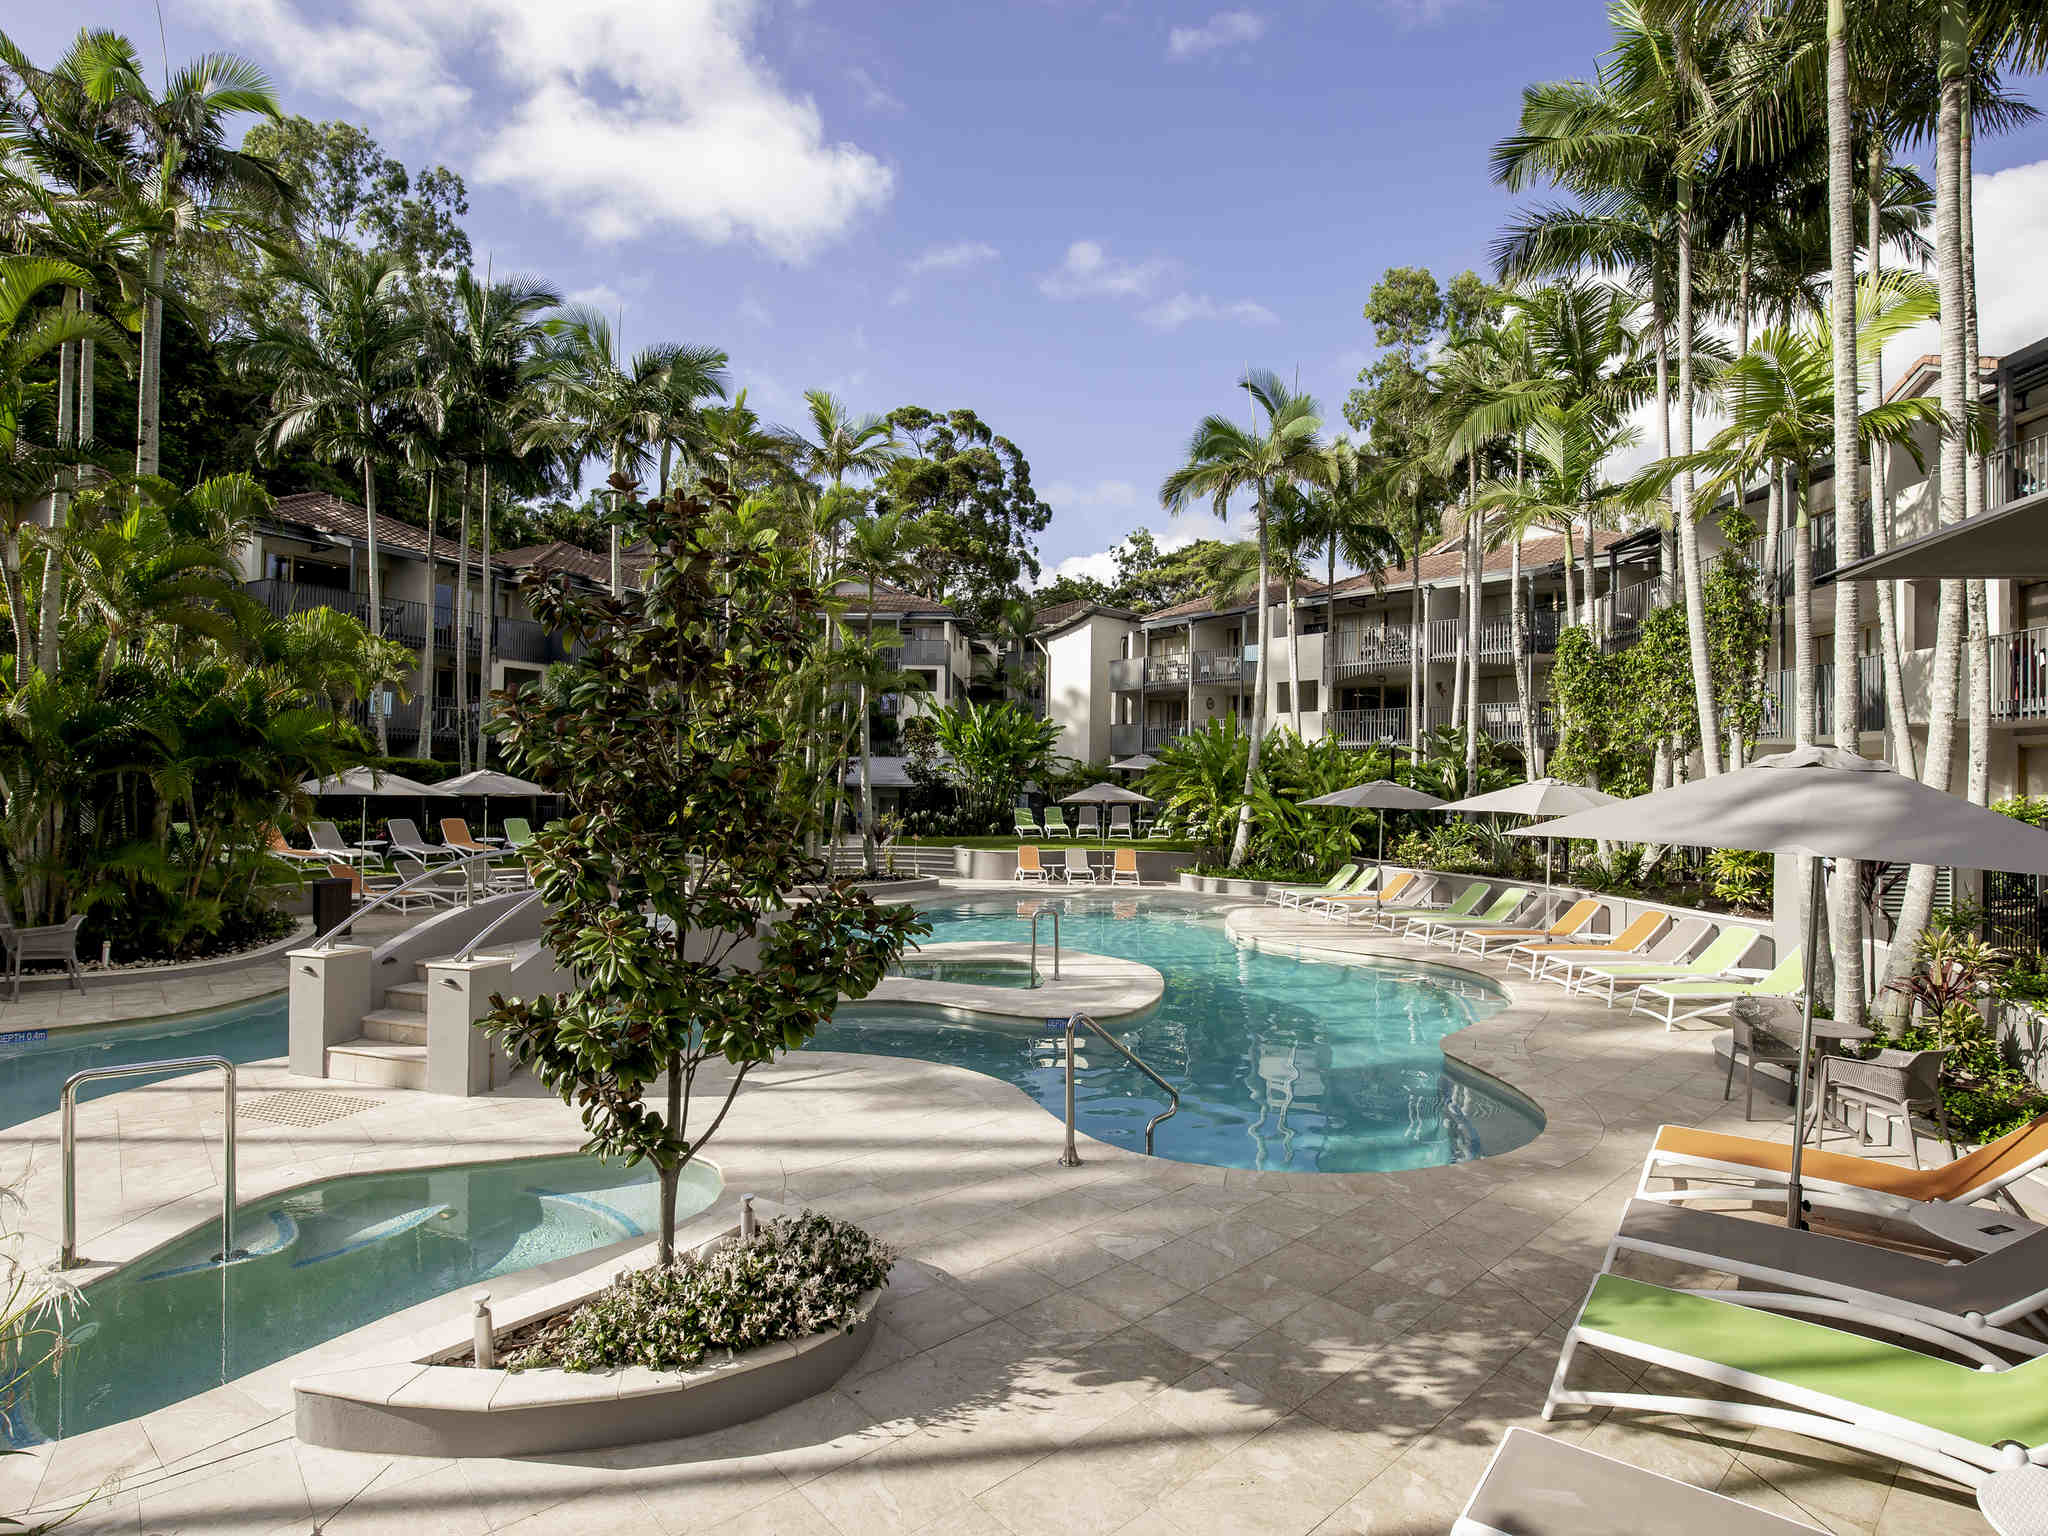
(1137, 764)
(1379, 795)
(1105, 795)
(487, 782)
(1820, 803)
(366, 783)
(1544, 798)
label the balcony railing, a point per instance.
(924, 653)
(1367, 648)
(1781, 699)
(403, 620)
(1367, 727)
(2019, 674)
(2020, 470)
(1129, 740)
(1222, 667)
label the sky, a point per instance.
(1081, 220)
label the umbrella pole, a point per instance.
(1816, 893)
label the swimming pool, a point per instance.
(32, 1071)
(1280, 1063)
(324, 1259)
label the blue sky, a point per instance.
(1080, 219)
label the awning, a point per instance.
(2009, 544)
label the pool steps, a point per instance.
(391, 1052)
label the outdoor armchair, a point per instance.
(1896, 1084)
(1430, 927)
(1077, 867)
(1540, 1485)
(1026, 826)
(1056, 822)
(1754, 1041)
(1633, 939)
(1947, 1418)
(1294, 895)
(46, 941)
(1086, 823)
(1028, 865)
(1715, 961)
(1785, 979)
(1968, 1308)
(1569, 925)
(1119, 821)
(1708, 1165)
(1124, 869)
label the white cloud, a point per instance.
(1064, 494)
(1226, 29)
(600, 296)
(1101, 565)
(1087, 271)
(951, 257)
(1172, 313)
(624, 117)
(753, 311)
(875, 96)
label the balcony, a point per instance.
(1138, 672)
(1222, 667)
(2021, 470)
(1362, 648)
(1367, 727)
(1502, 724)
(523, 640)
(1130, 740)
(403, 620)
(1781, 699)
(934, 654)
(2019, 674)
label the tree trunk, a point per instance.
(426, 737)
(1240, 844)
(1293, 653)
(383, 726)
(1898, 721)
(149, 391)
(462, 630)
(1681, 504)
(485, 627)
(17, 604)
(1517, 636)
(1976, 597)
(618, 582)
(1571, 610)
(867, 752)
(60, 497)
(1667, 552)
(1415, 637)
(85, 402)
(1475, 555)
(1938, 761)
(1802, 614)
(671, 1176)
(1845, 903)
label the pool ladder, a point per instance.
(1071, 1158)
(68, 1257)
(1036, 914)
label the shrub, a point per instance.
(796, 1276)
(1740, 878)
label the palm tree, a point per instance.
(183, 179)
(343, 385)
(1343, 517)
(1226, 460)
(840, 444)
(874, 554)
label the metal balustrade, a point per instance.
(2021, 470)
(1366, 727)
(2019, 673)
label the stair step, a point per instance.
(380, 1063)
(396, 1025)
(410, 996)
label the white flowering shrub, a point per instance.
(796, 1276)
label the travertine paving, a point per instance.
(1132, 1346)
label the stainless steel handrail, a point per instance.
(1036, 913)
(68, 1256)
(467, 862)
(495, 924)
(1071, 1158)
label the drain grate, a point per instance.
(306, 1107)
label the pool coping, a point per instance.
(1102, 986)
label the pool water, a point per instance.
(969, 973)
(32, 1072)
(1280, 1063)
(323, 1259)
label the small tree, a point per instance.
(993, 749)
(679, 893)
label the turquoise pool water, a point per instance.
(1280, 1063)
(322, 1260)
(32, 1071)
(968, 973)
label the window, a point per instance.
(1309, 688)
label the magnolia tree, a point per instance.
(679, 894)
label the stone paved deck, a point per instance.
(1131, 1346)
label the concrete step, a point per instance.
(400, 1026)
(379, 1063)
(409, 996)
